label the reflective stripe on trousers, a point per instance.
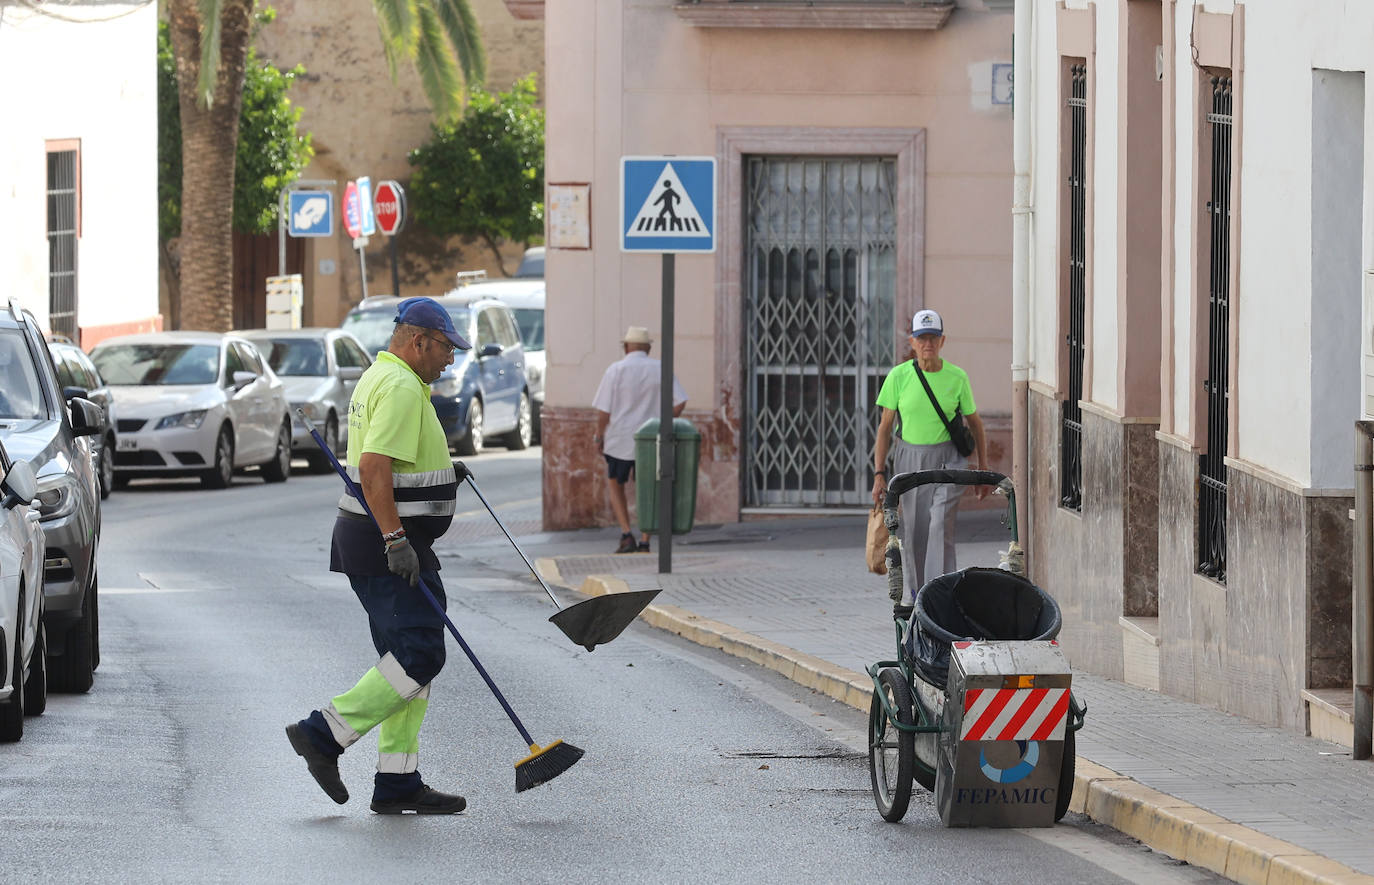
(927, 513)
(388, 698)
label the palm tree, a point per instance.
(210, 39)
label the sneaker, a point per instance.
(643, 547)
(323, 767)
(425, 800)
(627, 544)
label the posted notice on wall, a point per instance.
(570, 217)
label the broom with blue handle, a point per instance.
(543, 763)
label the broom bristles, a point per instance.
(545, 764)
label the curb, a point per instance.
(1168, 825)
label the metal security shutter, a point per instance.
(820, 259)
(62, 242)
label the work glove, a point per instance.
(401, 559)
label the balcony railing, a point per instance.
(838, 14)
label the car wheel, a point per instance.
(319, 462)
(12, 711)
(222, 474)
(36, 686)
(95, 622)
(279, 468)
(473, 441)
(107, 475)
(537, 427)
(74, 671)
(519, 438)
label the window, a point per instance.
(486, 329)
(505, 329)
(251, 362)
(232, 363)
(1076, 151)
(1212, 480)
(346, 356)
(63, 201)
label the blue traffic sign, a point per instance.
(369, 219)
(668, 204)
(310, 213)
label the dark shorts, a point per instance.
(618, 469)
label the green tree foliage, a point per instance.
(271, 153)
(443, 41)
(483, 175)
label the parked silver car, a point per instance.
(525, 298)
(320, 367)
(79, 377)
(36, 426)
(195, 404)
(23, 645)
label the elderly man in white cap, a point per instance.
(629, 396)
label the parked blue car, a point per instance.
(484, 395)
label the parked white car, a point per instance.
(320, 368)
(195, 404)
(23, 645)
(525, 298)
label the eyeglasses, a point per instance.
(448, 345)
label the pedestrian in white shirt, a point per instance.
(629, 396)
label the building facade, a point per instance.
(363, 123)
(1197, 328)
(863, 173)
(78, 158)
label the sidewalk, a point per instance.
(1255, 804)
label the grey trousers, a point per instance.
(927, 514)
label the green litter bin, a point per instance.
(687, 441)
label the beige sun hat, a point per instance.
(637, 335)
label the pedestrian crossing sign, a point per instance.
(668, 204)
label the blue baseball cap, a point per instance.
(428, 314)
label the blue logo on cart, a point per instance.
(1030, 756)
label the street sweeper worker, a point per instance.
(398, 455)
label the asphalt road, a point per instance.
(221, 623)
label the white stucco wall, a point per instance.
(94, 81)
(1283, 43)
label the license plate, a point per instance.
(126, 444)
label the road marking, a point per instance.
(140, 591)
(498, 507)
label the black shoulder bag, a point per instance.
(959, 433)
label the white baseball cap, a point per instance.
(926, 322)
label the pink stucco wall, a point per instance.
(632, 77)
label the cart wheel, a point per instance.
(891, 751)
(1061, 802)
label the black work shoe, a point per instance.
(643, 547)
(627, 544)
(323, 767)
(425, 800)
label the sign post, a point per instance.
(306, 209)
(353, 224)
(667, 205)
(389, 208)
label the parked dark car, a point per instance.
(79, 377)
(483, 394)
(35, 426)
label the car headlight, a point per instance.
(183, 419)
(57, 496)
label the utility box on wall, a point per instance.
(284, 296)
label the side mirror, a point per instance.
(19, 486)
(88, 419)
(242, 379)
(350, 373)
(69, 393)
(490, 350)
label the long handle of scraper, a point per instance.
(467, 475)
(429, 594)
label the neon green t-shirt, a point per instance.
(902, 391)
(391, 414)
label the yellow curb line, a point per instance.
(1166, 824)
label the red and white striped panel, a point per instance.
(1015, 714)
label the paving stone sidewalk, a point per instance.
(801, 583)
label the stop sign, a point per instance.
(389, 206)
